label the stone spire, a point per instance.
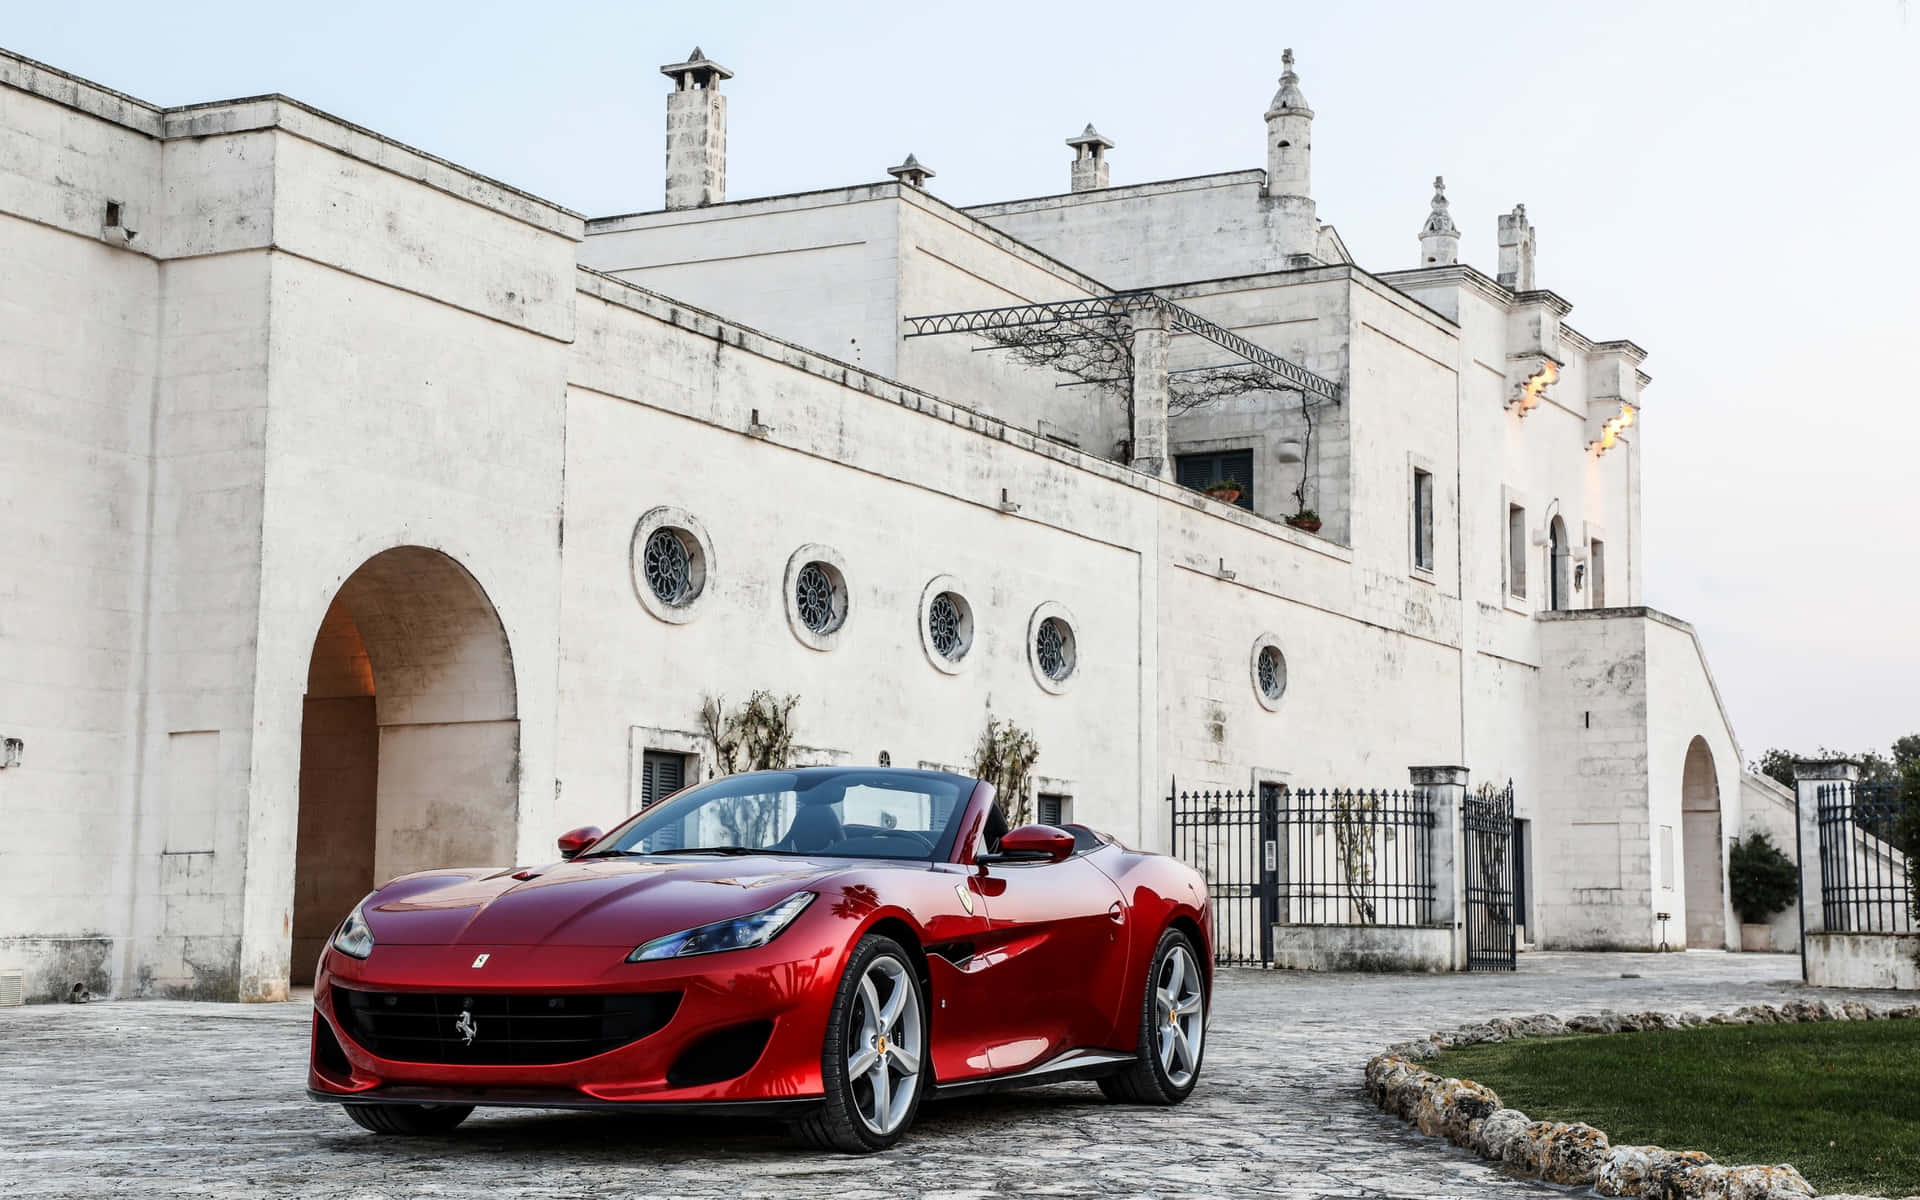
(1289, 166)
(1439, 239)
(1289, 137)
(1090, 160)
(696, 132)
(912, 173)
(1516, 250)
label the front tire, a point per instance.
(874, 1062)
(408, 1120)
(1173, 1026)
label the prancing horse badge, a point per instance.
(959, 889)
(482, 961)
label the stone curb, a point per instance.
(1471, 1116)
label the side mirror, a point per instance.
(1032, 843)
(574, 841)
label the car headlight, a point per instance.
(355, 940)
(734, 933)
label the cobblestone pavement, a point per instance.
(178, 1099)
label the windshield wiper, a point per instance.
(611, 854)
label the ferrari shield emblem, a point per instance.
(481, 961)
(966, 897)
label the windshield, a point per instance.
(816, 811)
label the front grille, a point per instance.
(496, 1029)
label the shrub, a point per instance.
(1763, 881)
(1004, 757)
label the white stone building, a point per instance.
(331, 469)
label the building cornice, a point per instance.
(276, 112)
(1160, 187)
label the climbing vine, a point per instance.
(1354, 832)
(1004, 757)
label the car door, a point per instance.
(1053, 961)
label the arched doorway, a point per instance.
(1706, 875)
(409, 739)
(1559, 570)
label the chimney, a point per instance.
(1090, 160)
(1516, 250)
(912, 173)
(1439, 238)
(696, 132)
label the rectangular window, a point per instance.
(1423, 519)
(1597, 586)
(1517, 551)
(1666, 857)
(661, 775)
(1201, 471)
(1054, 809)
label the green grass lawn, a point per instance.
(1838, 1099)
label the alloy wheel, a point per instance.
(1178, 1004)
(884, 1041)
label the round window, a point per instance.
(668, 565)
(1269, 671)
(1053, 647)
(947, 629)
(817, 601)
(946, 619)
(813, 596)
(671, 560)
(1053, 651)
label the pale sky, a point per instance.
(1734, 186)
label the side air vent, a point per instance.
(725, 1054)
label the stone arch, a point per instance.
(1559, 566)
(410, 738)
(1705, 865)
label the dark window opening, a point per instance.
(1517, 551)
(1423, 519)
(1201, 471)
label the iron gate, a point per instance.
(1488, 821)
(1232, 838)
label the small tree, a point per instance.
(1004, 757)
(758, 736)
(1761, 879)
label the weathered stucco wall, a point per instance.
(334, 369)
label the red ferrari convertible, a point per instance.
(829, 946)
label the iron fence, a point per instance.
(1356, 856)
(1487, 825)
(1866, 835)
(1229, 837)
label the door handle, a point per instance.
(1116, 914)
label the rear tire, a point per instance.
(408, 1120)
(875, 1062)
(1173, 1023)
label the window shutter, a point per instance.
(1049, 809)
(661, 775)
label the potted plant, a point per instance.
(1227, 490)
(1306, 519)
(1762, 881)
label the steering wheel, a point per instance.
(924, 843)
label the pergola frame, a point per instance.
(1092, 340)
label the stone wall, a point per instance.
(1863, 960)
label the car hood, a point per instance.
(597, 902)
